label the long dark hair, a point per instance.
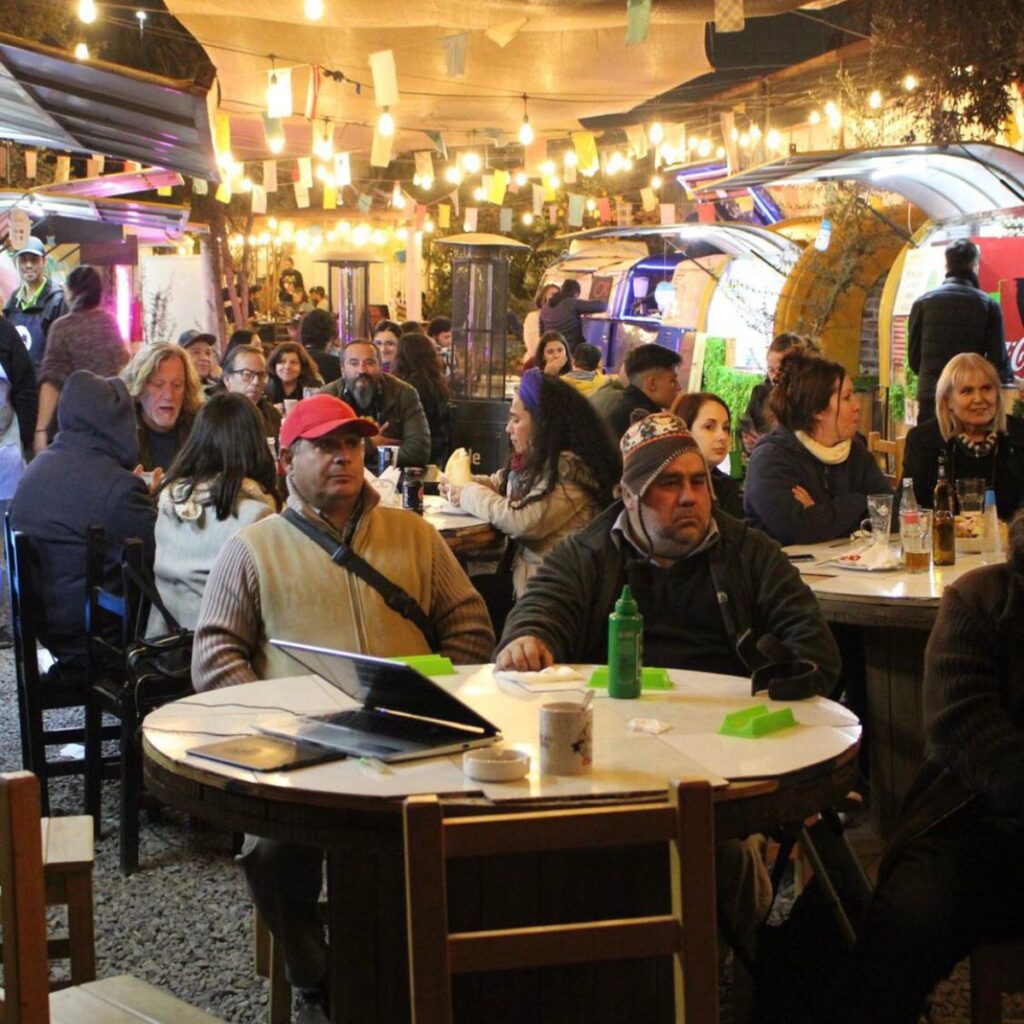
(549, 336)
(570, 290)
(228, 443)
(417, 363)
(565, 421)
(805, 387)
(309, 377)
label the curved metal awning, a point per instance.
(961, 179)
(731, 239)
(48, 98)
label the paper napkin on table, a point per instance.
(554, 677)
(871, 557)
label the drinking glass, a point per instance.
(970, 492)
(310, 392)
(916, 538)
(880, 517)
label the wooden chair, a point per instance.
(35, 697)
(995, 969)
(128, 678)
(269, 964)
(886, 450)
(688, 934)
(26, 997)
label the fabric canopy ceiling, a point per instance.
(569, 56)
(48, 98)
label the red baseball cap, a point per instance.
(321, 414)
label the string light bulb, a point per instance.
(720, 152)
(397, 198)
(704, 148)
(656, 133)
(591, 205)
(814, 117)
(830, 109)
(81, 51)
(86, 11)
(478, 194)
(525, 129)
(314, 9)
(527, 218)
(471, 162)
(548, 168)
(428, 226)
(656, 182)
(452, 175)
(385, 124)
(875, 100)
(909, 83)
(773, 140)
(521, 179)
(570, 159)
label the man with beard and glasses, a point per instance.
(712, 590)
(386, 400)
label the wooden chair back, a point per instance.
(688, 933)
(22, 899)
(884, 451)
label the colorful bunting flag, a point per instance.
(504, 33)
(380, 151)
(575, 217)
(470, 220)
(343, 169)
(444, 216)
(365, 202)
(270, 175)
(649, 199)
(259, 199)
(505, 220)
(498, 187)
(301, 195)
(30, 163)
(638, 20)
(305, 169)
(330, 197)
(200, 186)
(668, 213)
(538, 200)
(385, 78)
(62, 169)
(586, 151)
(455, 55)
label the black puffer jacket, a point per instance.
(953, 318)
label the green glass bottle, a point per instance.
(625, 647)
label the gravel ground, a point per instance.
(184, 920)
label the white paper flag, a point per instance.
(636, 136)
(385, 78)
(668, 213)
(469, 223)
(342, 170)
(270, 175)
(569, 176)
(424, 164)
(305, 172)
(538, 200)
(62, 170)
(200, 186)
(301, 196)
(380, 153)
(649, 199)
(504, 33)
(575, 212)
(30, 163)
(259, 199)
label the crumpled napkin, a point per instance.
(870, 557)
(386, 485)
(649, 725)
(545, 677)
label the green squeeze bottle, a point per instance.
(625, 647)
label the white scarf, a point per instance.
(830, 456)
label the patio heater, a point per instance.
(348, 292)
(480, 374)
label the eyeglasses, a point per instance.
(251, 376)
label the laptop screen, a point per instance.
(383, 684)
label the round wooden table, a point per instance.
(353, 811)
(895, 612)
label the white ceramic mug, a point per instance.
(566, 738)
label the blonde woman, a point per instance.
(973, 432)
(164, 384)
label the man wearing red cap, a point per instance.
(274, 580)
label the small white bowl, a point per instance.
(487, 764)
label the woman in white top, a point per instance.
(531, 324)
(223, 479)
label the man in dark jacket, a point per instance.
(83, 479)
(36, 303)
(653, 382)
(953, 318)
(318, 330)
(953, 875)
(390, 402)
(701, 578)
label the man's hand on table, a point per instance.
(524, 654)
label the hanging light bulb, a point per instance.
(427, 182)
(314, 9)
(773, 140)
(656, 182)
(478, 194)
(525, 129)
(875, 100)
(471, 162)
(397, 198)
(591, 205)
(720, 152)
(570, 159)
(830, 109)
(910, 83)
(547, 168)
(815, 117)
(704, 149)
(273, 132)
(744, 141)
(521, 179)
(554, 181)
(656, 134)
(693, 143)
(385, 124)
(278, 97)
(627, 163)
(527, 218)
(452, 175)
(755, 132)
(428, 226)
(323, 146)
(81, 51)
(86, 11)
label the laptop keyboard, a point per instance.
(395, 726)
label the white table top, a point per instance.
(625, 761)
(827, 577)
(439, 514)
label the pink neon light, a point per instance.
(123, 298)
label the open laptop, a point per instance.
(402, 714)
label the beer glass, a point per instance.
(916, 538)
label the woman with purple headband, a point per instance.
(562, 470)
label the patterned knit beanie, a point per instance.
(649, 445)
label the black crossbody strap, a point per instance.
(150, 592)
(342, 555)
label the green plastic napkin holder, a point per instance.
(753, 722)
(650, 678)
(427, 664)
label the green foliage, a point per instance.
(965, 62)
(732, 386)
(1018, 408)
(865, 382)
(898, 403)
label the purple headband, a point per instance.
(529, 389)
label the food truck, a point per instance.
(966, 190)
(665, 284)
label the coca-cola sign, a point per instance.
(1015, 349)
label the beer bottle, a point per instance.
(943, 520)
